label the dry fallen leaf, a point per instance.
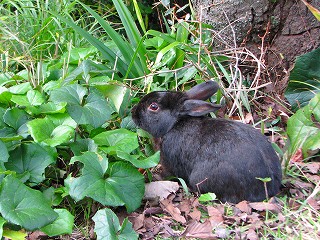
(199, 230)
(252, 235)
(175, 213)
(215, 216)
(195, 214)
(160, 189)
(263, 206)
(244, 207)
(297, 157)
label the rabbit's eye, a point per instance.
(153, 106)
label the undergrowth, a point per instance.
(70, 153)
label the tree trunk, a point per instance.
(279, 30)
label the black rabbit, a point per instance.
(211, 155)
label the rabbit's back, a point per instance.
(221, 156)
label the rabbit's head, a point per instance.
(157, 112)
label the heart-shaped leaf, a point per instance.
(122, 181)
(107, 226)
(85, 107)
(24, 206)
(301, 129)
(31, 158)
(62, 225)
(121, 140)
(44, 130)
(304, 80)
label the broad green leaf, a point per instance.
(35, 98)
(127, 181)
(62, 225)
(91, 182)
(107, 226)
(115, 91)
(47, 108)
(54, 195)
(71, 94)
(83, 145)
(24, 206)
(92, 109)
(16, 235)
(20, 100)
(4, 155)
(122, 181)
(31, 158)
(5, 95)
(16, 118)
(62, 119)
(207, 197)
(44, 130)
(117, 140)
(315, 107)
(21, 88)
(148, 162)
(301, 129)
(304, 80)
(86, 69)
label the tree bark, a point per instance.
(279, 30)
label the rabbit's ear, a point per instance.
(203, 91)
(198, 108)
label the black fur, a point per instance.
(218, 155)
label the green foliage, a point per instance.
(302, 128)
(65, 127)
(107, 226)
(62, 225)
(109, 185)
(24, 206)
(304, 80)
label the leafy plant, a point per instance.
(302, 128)
(304, 80)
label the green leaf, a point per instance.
(121, 140)
(301, 129)
(304, 80)
(31, 158)
(16, 235)
(44, 130)
(115, 91)
(83, 145)
(62, 225)
(127, 181)
(2, 221)
(123, 180)
(83, 107)
(5, 95)
(21, 88)
(16, 118)
(24, 206)
(107, 226)
(72, 94)
(315, 11)
(149, 162)
(48, 108)
(207, 197)
(4, 155)
(104, 50)
(35, 98)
